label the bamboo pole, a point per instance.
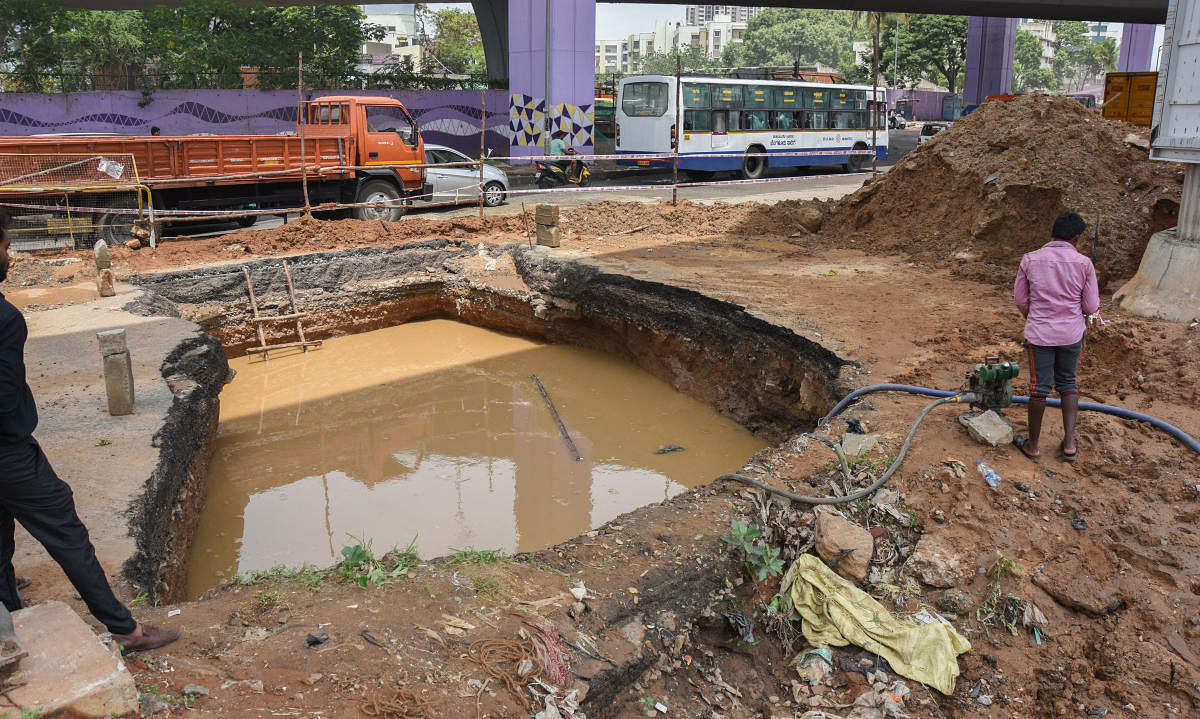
(300, 120)
(482, 144)
(678, 128)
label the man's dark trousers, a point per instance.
(32, 493)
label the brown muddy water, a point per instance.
(435, 430)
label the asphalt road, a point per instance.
(640, 185)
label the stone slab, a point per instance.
(68, 669)
(118, 384)
(104, 283)
(548, 236)
(988, 428)
(112, 342)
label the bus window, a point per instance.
(644, 99)
(757, 96)
(727, 96)
(860, 100)
(695, 95)
(842, 99)
(754, 120)
(720, 122)
(787, 97)
(816, 120)
(848, 121)
(696, 121)
(782, 120)
(817, 99)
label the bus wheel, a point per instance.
(754, 167)
(858, 163)
(382, 192)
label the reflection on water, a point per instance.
(434, 429)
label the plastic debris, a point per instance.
(989, 475)
(742, 624)
(836, 613)
(881, 701)
(669, 449)
(1079, 523)
(815, 664)
(314, 640)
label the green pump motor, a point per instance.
(991, 382)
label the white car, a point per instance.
(461, 184)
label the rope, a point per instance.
(403, 704)
(496, 656)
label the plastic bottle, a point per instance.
(989, 474)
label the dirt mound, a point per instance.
(987, 190)
(695, 219)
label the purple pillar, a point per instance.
(1137, 48)
(560, 105)
(991, 42)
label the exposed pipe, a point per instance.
(943, 397)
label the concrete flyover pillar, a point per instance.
(1137, 48)
(551, 73)
(991, 43)
(1167, 283)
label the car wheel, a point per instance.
(754, 167)
(381, 192)
(493, 194)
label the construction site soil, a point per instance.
(907, 280)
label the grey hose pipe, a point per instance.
(883, 478)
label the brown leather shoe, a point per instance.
(146, 637)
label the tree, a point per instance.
(691, 59)
(455, 44)
(1071, 46)
(1028, 72)
(41, 38)
(779, 36)
(931, 47)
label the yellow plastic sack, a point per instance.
(837, 613)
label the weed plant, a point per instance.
(360, 565)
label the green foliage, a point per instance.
(26, 713)
(139, 600)
(266, 598)
(360, 565)
(1028, 73)
(455, 44)
(103, 442)
(761, 560)
(472, 555)
(782, 36)
(1003, 566)
(1000, 607)
(646, 704)
(690, 59)
(1078, 60)
(306, 575)
(930, 47)
(488, 588)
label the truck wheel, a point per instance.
(112, 227)
(247, 221)
(493, 194)
(380, 191)
(754, 167)
(858, 163)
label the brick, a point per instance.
(112, 342)
(546, 215)
(68, 670)
(548, 236)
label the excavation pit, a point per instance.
(691, 354)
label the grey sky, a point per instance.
(613, 20)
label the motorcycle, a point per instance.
(896, 121)
(551, 174)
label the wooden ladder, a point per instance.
(296, 315)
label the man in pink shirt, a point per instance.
(1055, 291)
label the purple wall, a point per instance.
(446, 117)
(572, 59)
(927, 104)
(991, 43)
(1137, 48)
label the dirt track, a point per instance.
(1122, 597)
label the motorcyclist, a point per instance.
(558, 147)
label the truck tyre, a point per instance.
(112, 227)
(858, 163)
(754, 167)
(247, 221)
(493, 194)
(379, 191)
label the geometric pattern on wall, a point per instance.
(573, 123)
(526, 120)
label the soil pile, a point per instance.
(987, 190)
(694, 219)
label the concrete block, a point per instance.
(546, 215)
(549, 236)
(118, 384)
(104, 283)
(855, 444)
(103, 259)
(988, 428)
(1165, 284)
(68, 670)
(112, 342)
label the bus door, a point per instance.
(720, 129)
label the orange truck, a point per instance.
(1129, 96)
(357, 150)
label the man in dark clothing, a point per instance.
(32, 494)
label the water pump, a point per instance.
(991, 383)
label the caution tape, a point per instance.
(706, 183)
(688, 155)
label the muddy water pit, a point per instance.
(435, 430)
(387, 435)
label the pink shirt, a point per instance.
(1055, 289)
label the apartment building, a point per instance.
(700, 14)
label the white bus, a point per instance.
(747, 116)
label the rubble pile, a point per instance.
(984, 192)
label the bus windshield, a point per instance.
(644, 99)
